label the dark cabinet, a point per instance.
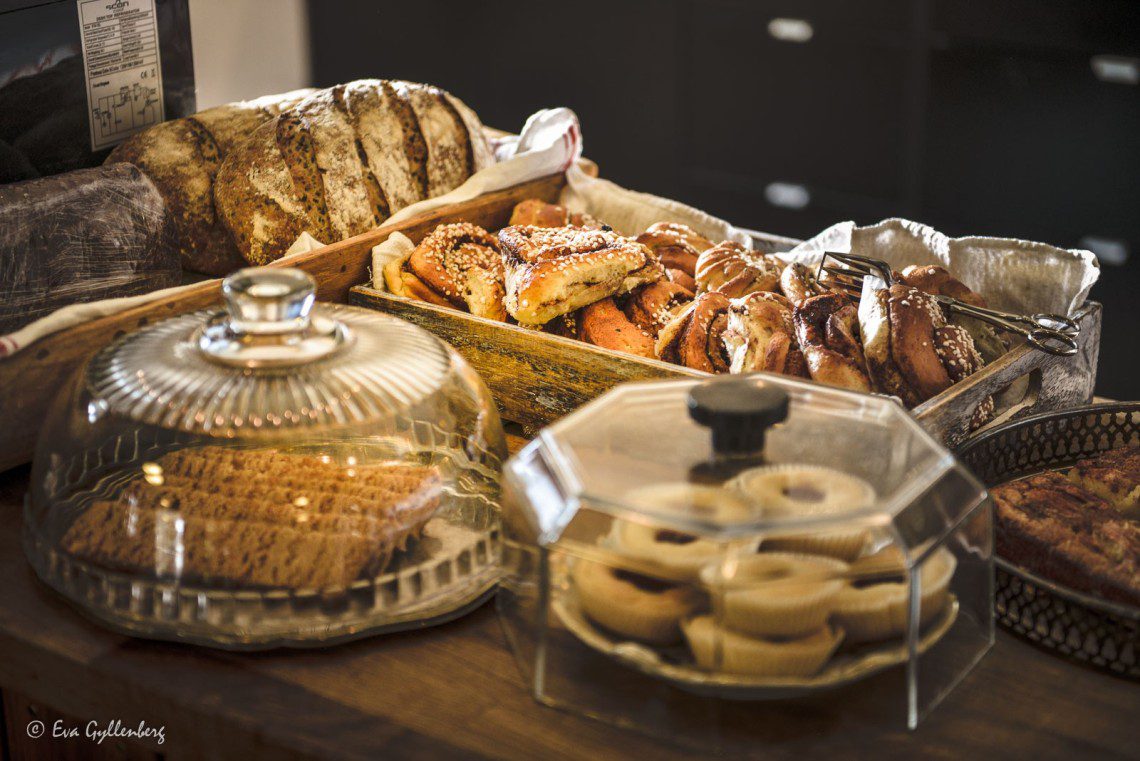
(1013, 118)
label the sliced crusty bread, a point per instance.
(450, 153)
(257, 198)
(337, 163)
(395, 153)
(181, 162)
(350, 156)
(182, 158)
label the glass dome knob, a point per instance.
(738, 412)
(269, 321)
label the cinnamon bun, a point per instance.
(828, 332)
(672, 247)
(737, 271)
(455, 265)
(799, 283)
(760, 337)
(603, 324)
(538, 213)
(938, 281)
(695, 337)
(652, 307)
(911, 351)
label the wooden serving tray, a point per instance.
(537, 378)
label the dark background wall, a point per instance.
(1017, 118)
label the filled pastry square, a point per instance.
(553, 271)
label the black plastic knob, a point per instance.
(738, 412)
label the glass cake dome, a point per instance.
(281, 473)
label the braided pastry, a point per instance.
(936, 280)
(687, 234)
(552, 271)
(538, 213)
(695, 337)
(911, 351)
(759, 336)
(736, 271)
(456, 265)
(676, 254)
(828, 332)
(603, 324)
(652, 307)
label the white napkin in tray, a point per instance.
(1015, 275)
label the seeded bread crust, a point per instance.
(257, 196)
(450, 155)
(337, 164)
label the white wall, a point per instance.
(247, 48)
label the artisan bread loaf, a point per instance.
(182, 157)
(342, 160)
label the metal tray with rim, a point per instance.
(1081, 626)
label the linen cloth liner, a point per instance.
(1011, 274)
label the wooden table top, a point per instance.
(454, 691)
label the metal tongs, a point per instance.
(1050, 333)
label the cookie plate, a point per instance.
(840, 670)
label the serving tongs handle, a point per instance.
(1051, 333)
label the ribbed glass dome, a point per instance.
(283, 472)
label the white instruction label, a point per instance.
(124, 73)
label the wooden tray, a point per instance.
(537, 378)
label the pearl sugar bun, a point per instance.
(806, 491)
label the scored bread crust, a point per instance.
(337, 163)
(554, 270)
(389, 136)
